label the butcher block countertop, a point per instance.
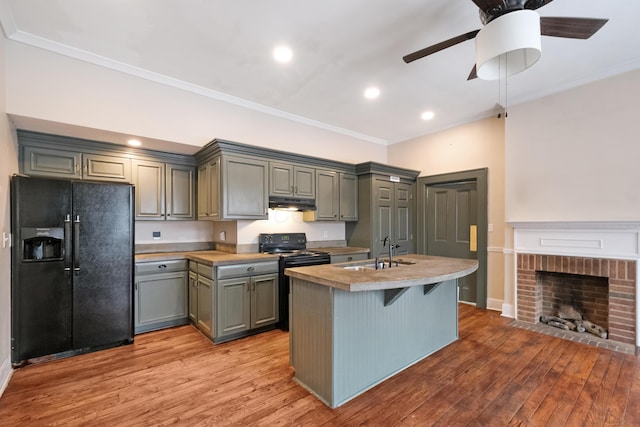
(207, 257)
(418, 270)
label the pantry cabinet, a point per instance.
(386, 209)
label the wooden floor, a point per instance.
(493, 375)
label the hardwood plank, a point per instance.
(493, 375)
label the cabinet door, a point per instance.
(205, 305)
(193, 297)
(234, 303)
(203, 191)
(327, 200)
(280, 179)
(55, 163)
(159, 300)
(348, 197)
(245, 194)
(264, 300)
(403, 218)
(383, 219)
(304, 182)
(148, 177)
(180, 185)
(106, 168)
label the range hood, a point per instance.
(292, 203)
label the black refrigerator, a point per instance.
(71, 267)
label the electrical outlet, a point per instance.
(6, 239)
(325, 234)
(223, 235)
(490, 227)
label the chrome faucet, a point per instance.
(386, 241)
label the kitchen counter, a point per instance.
(207, 257)
(342, 250)
(352, 329)
(424, 270)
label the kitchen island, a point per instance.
(353, 326)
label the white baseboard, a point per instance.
(508, 310)
(494, 304)
(5, 374)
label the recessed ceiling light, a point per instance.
(134, 143)
(282, 54)
(427, 115)
(372, 93)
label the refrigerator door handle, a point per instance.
(76, 244)
(67, 243)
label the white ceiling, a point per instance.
(340, 47)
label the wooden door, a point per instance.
(452, 227)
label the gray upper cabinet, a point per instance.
(148, 178)
(292, 180)
(209, 189)
(348, 197)
(327, 195)
(106, 168)
(180, 192)
(386, 208)
(336, 197)
(244, 192)
(38, 161)
(164, 191)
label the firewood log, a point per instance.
(594, 329)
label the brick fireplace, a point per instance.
(600, 257)
(621, 295)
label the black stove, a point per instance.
(293, 251)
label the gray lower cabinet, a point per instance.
(247, 298)
(335, 259)
(201, 298)
(160, 295)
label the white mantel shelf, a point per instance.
(600, 239)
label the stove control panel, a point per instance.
(291, 241)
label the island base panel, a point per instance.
(344, 343)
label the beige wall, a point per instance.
(574, 155)
(8, 166)
(472, 146)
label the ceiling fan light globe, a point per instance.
(508, 45)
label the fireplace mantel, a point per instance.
(575, 247)
(600, 239)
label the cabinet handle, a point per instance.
(251, 269)
(350, 258)
(162, 266)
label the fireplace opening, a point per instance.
(575, 302)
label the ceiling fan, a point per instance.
(490, 10)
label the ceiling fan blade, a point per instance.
(472, 74)
(572, 28)
(536, 4)
(440, 46)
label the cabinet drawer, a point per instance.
(248, 269)
(161, 266)
(348, 257)
(205, 270)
